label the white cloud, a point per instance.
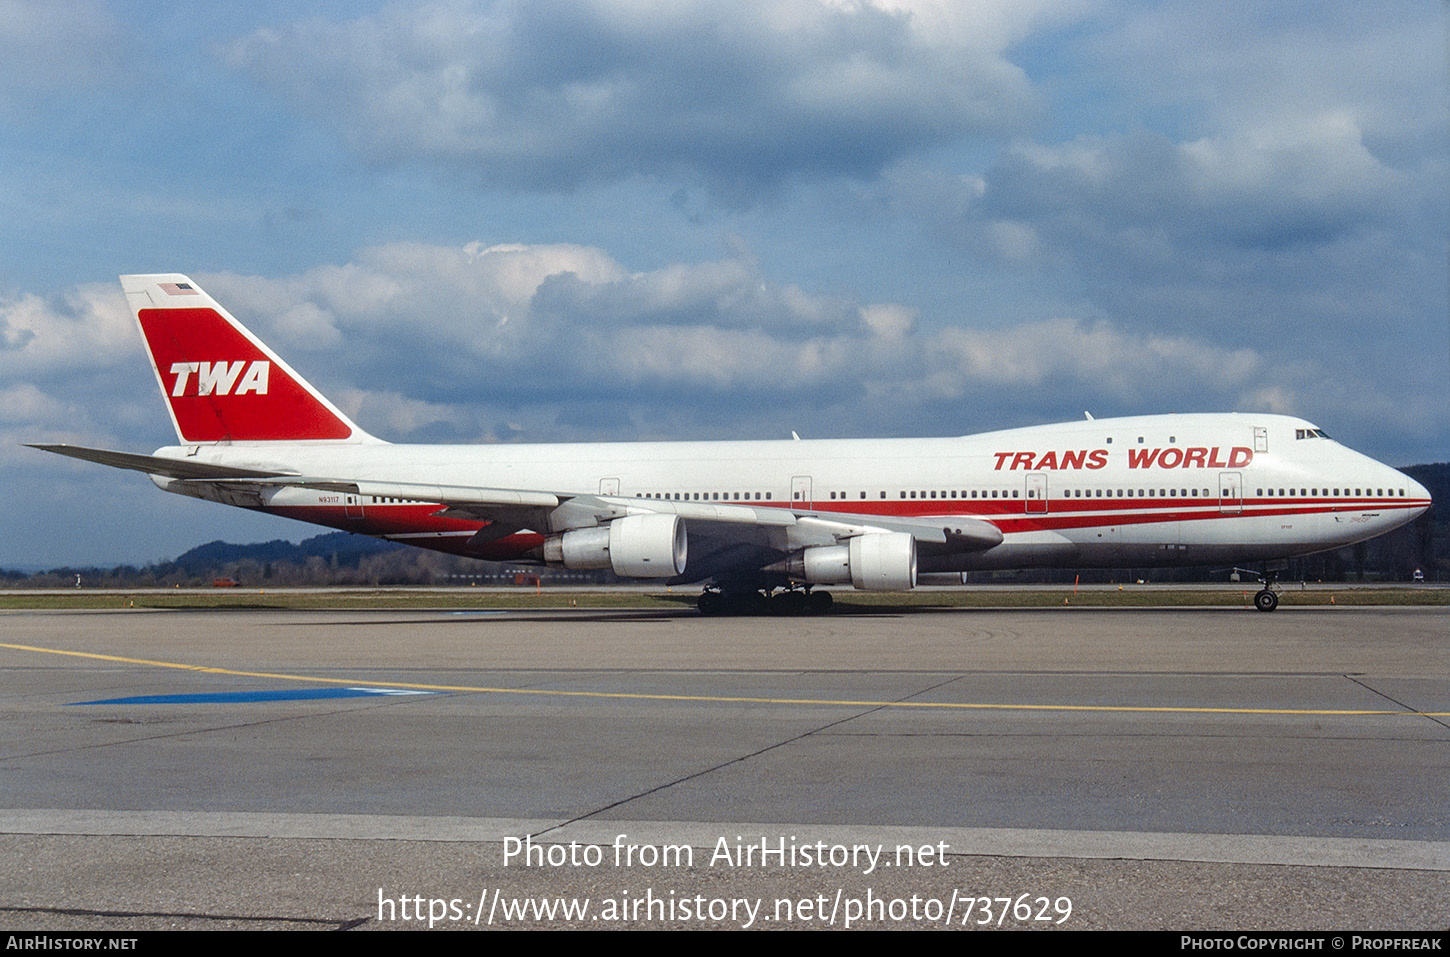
(747, 93)
(25, 403)
(1263, 188)
(1095, 358)
(1241, 64)
(87, 328)
(888, 320)
(502, 340)
(391, 413)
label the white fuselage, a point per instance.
(1148, 490)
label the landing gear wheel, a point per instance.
(1266, 600)
(820, 602)
(790, 603)
(711, 604)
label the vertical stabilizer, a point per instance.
(220, 382)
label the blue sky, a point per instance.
(542, 220)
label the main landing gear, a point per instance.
(793, 601)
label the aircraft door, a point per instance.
(1036, 492)
(800, 492)
(352, 506)
(609, 486)
(1231, 493)
(1261, 439)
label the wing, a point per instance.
(724, 539)
(728, 540)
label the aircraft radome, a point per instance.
(749, 518)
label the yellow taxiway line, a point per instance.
(725, 699)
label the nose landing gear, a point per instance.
(1266, 599)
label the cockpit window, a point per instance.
(1310, 434)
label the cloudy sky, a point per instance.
(557, 220)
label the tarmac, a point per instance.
(1055, 768)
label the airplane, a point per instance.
(748, 519)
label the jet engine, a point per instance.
(638, 546)
(875, 562)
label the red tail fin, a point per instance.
(221, 383)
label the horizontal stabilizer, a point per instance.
(156, 465)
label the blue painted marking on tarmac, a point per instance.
(247, 697)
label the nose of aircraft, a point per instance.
(1416, 492)
(1417, 495)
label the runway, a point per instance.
(1156, 768)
